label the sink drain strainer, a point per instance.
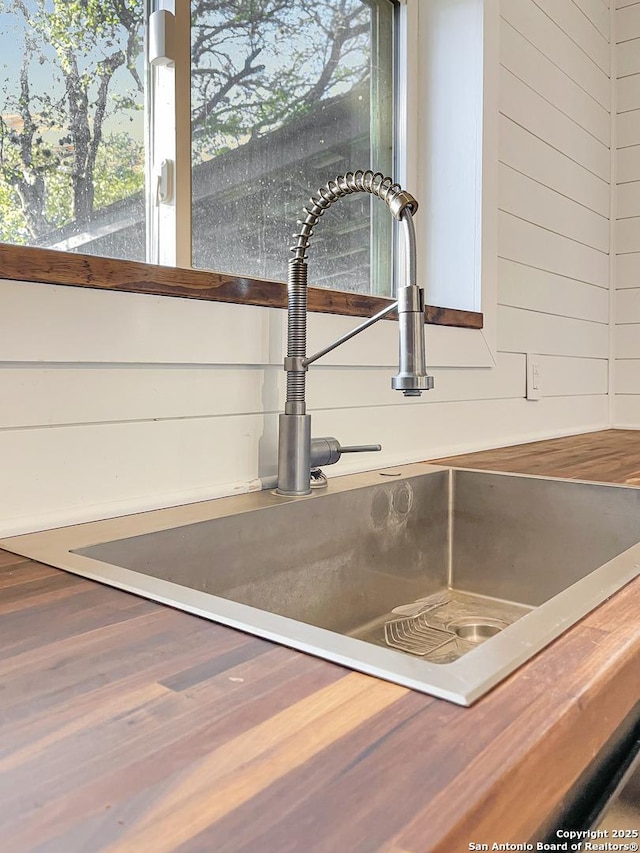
(415, 635)
(476, 630)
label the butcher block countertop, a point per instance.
(129, 726)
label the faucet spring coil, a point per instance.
(297, 328)
(360, 181)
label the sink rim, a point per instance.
(462, 681)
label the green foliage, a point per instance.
(119, 174)
(53, 119)
(81, 26)
(13, 226)
(59, 199)
(119, 169)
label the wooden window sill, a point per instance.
(25, 263)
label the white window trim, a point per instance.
(169, 134)
(455, 347)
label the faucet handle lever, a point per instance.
(328, 450)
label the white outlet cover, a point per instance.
(533, 377)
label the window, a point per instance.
(203, 157)
(285, 94)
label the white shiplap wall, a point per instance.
(115, 402)
(627, 230)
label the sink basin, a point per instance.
(442, 580)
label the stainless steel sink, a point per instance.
(442, 580)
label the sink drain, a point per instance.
(476, 630)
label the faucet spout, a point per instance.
(294, 442)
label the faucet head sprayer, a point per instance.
(412, 378)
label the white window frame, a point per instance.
(169, 136)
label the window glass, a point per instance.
(72, 125)
(285, 95)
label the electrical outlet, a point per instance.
(533, 377)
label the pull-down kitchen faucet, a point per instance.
(297, 452)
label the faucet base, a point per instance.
(294, 455)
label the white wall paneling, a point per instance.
(561, 377)
(627, 340)
(535, 246)
(628, 235)
(551, 335)
(628, 197)
(532, 67)
(79, 471)
(627, 410)
(628, 306)
(534, 157)
(629, 92)
(70, 395)
(535, 203)
(628, 270)
(626, 407)
(629, 126)
(118, 402)
(628, 376)
(628, 164)
(541, 30)
(544, 120)
(572, 19)
(489, 423)
(628, 57)
(598, 13)
(521, 286)
(43, 322)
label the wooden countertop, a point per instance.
(129, 726)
